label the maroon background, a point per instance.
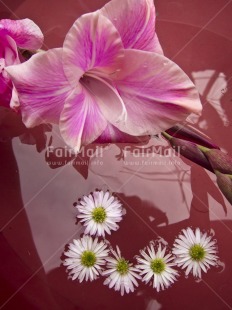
(37, 217)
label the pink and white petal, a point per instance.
(14, 102)
(5, 83)
(42, 87)
(156, 92)
(25, 33)
(8, 51)
(92, 44)
(8, 56)
(157, 48)
(113, 135)
(135, 22)
(107, 97)
(81, 120)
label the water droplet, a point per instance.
(115, 19)
(145, 65)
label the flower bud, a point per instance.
(191, 151)
(225, 184)
(191, 134)
(219, 161)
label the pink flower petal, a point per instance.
(42, 87)
(25, 32)
(135, 22)
(14, 102)
(113, 135)
(8, 51)
(81, 120)
(87, 113)
(94, 45)
(110, 103)
(5, 83)
(156, 92)
(8, 56)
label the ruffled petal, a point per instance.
(107, 97)
(81, 120)
(5, 83)
(113, 135)
(135, 22)
(42, 87)
(25, 33)
(8, 51)
(14, 101)
(156, 92)
(94, 45)
(8, 56)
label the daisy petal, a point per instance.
(92, 44)
(157, 268)
(42, 87)
(156, 93)
(120, 273)
(193, 252)
(84, 262)
(25, 33)
(104, 214)
(135, 21)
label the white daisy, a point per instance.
(121, 275)
(100, 212)
(156, 267)
(86, 257)
(195, 251)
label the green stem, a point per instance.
(229, 176)
(203, 149)
(166, 135)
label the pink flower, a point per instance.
(15, 33)
(109, 82)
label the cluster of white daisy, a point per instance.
(88, 258)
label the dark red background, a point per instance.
(37, 215)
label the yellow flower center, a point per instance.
(88, 258)
(197, 252)
(122, 266)
(99, 215)
(157, 265)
